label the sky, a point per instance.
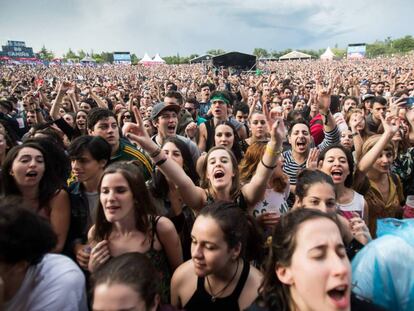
(184, 27)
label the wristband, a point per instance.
(155, 153)
(267, 166)
(160, 162)
(273, 153)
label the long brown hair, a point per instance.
(250, 162)
(144, 207)
(235, 186)
(274, 294)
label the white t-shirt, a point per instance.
(273, 202)
(55, 284)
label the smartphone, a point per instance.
(410, 102)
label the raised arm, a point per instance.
(54, 110)
(193, 196)
(391, 125)
(254, 190)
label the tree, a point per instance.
(405, 44)
(81, 54)
(45, 54)
(261, 53)
(70, 55)
(134, 59)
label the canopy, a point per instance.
(201, 59)
(146, 60)
(87, 59)
(295, 55)
(157, 59)
(328, 54)
(235, 59)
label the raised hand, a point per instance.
(312, 162)
(278, 132)
(391, 124)
(137, 132)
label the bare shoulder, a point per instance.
(60, 197)
(184, 273)
(164, 225)
(183, 283)
(251, 288)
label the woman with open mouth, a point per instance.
(220, 178)
(28, 172)
(337, 162)
(308, 268)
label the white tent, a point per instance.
(158, 60)
(328, 54)
(295, 55)
(87, 60)
(146, 60)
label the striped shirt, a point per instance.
(292, 168)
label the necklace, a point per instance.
(214, 296)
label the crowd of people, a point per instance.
(189, 187)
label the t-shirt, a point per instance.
(273, 202)
(56, 283)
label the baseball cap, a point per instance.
(160, 107)
(367, 96)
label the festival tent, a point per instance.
(146, 60)
(158, 60)
(235, 59)
(88, 60)
(295, 55)
(201, 59)
(328, 54)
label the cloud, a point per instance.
(195, 26)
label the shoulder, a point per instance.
(183, 274)
(251, 287)
(254, 278)
(59, 199)
(165, 226)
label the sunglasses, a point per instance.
(126, 116)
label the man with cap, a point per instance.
(184, 117)
(220, 103)
(165, 119)
(367, 103)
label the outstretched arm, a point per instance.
(192, 195)
(391, 125)
(255, 189)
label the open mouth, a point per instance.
(337, 173)
(301, 144)
(171, 128)
(31, 174)
(339, 296)
(218, 174)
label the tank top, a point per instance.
(160, 262)
(201, 300)
(210, 134)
